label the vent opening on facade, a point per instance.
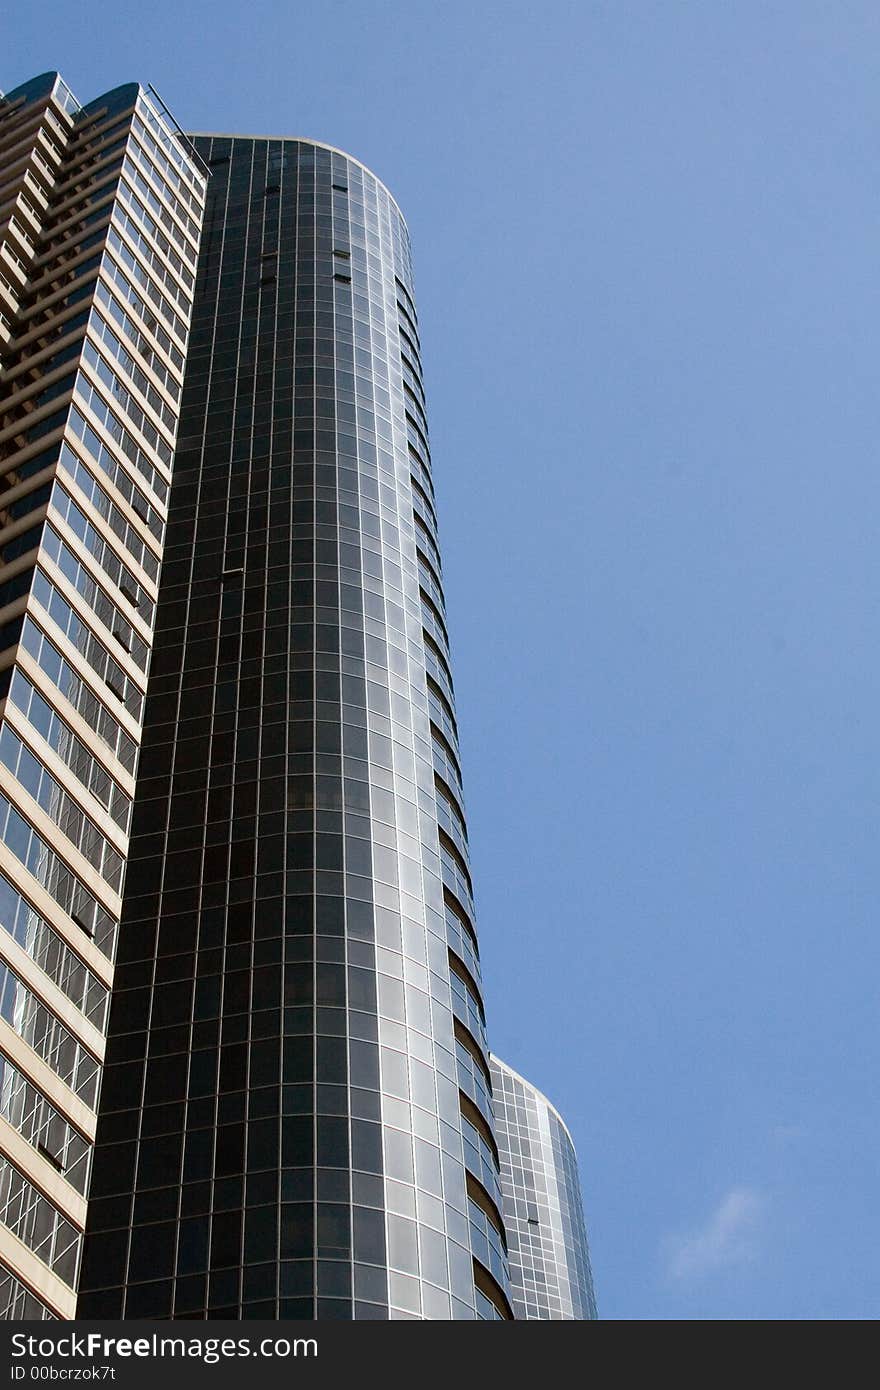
(82, 924)
(50, 1157)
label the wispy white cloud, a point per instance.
(728, 1237)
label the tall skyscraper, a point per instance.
(296, 1115)
(296, 1112)
(543, 1212)
(100, 215)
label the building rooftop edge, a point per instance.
(300, 140)
(532, 1087)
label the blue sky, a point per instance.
(646, 253)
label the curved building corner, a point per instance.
(550, 1273)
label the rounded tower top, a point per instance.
(299, 140)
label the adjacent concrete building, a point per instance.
(100, 218)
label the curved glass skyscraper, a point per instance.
(550, 1269)
(296, 1116)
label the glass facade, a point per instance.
(244, 1070)
(550, 1270)
(100, 215)
(296, 1115)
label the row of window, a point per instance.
(164, 143)
(449, 818)
(145, 280)
(472, 1081)
(18, 1303)
(95, 545)
(467, 1007)
(132, 171)
(270, 1146)
(424, 536)
(129, 405)
(487, 1311)
(70, 684)
(141, 460)
(70, 749)
(445, 763)
(137, 333)
(117, 475)
(61, 808)
(423, 507)
(41, 1125)
(133, 370)
(119, 525)
(429, 583)
(152, 226)
(83, 639)
(52, 954)
(52, 873)
(480, 1160)
(47, 1036)
(28, 1214)
(275, 1235)
(99, 602)
(432, 621)
(132, 226)
(167, 181)
(454, 875)
(487, 1244)
(441, 715)
(462, 940)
